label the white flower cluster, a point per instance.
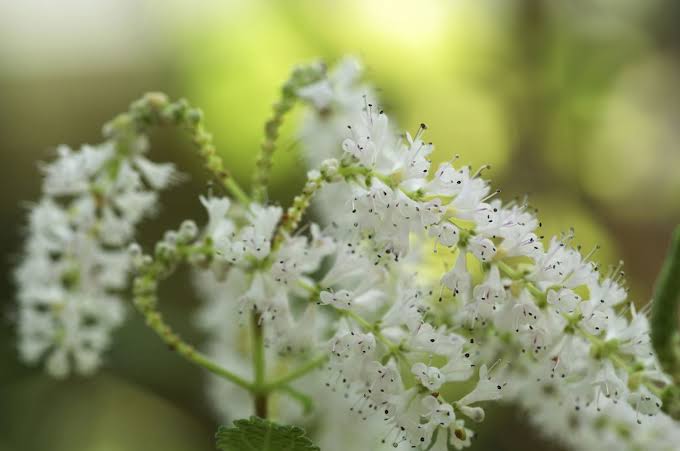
(570, 347)
(76, 263)
(263, 276)
(297, 311)
(415, 357)
(230, 345)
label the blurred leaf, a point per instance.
(665, 308)
(257, 434)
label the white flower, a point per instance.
(50, 226)
(407, 309)
(458, 279)
(135, 205)
(341, 299)
(429, 376)
(350, 352)
(468, 191)
(524, 313)
(411, 165)
(492, 290)
(645, 402)
(633, 336)
(369, 138)
(264, 219)
(112, 268)
(561, 265)
(608, 292)
(440, 414)
(158, 175)
(441, 342)
(595, 318)
(71, 172)
(564, 300)
(445, 233)
(482, 248)
(461, 436)
(217, 208)
(608, 383)
(404, 413)
(472, 193)
(320, 94)
(487, 389)
(459, 367)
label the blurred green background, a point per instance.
(575, 103)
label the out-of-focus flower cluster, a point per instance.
(76, 265)
(508, 318)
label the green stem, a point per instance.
(154, 320)
(236, 190)
(145, 287)
(300, 76)
(155, 109)
(306, 401)
(392, 348)
(539, 295)
(664, 319)
(298, 372)
(293, 215)
(263, 163)
(259, 366)
(508, 270)
(358, 319)
(188, 352)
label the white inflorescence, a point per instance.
(76, 264)
(562, 339)
(417, 358)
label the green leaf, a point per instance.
(665, 308)
(257, 434)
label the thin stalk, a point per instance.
(259, 365)
(299, 77)
(145, 293)
(155, 321)
(263, 164)
(154, 110)
(294, 213)
(298, 372)
(306, 401)
(358, 319)
(517, 275)
(393, 348)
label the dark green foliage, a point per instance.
(256, 434)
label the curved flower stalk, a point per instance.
(76, 266)
(416, 358)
